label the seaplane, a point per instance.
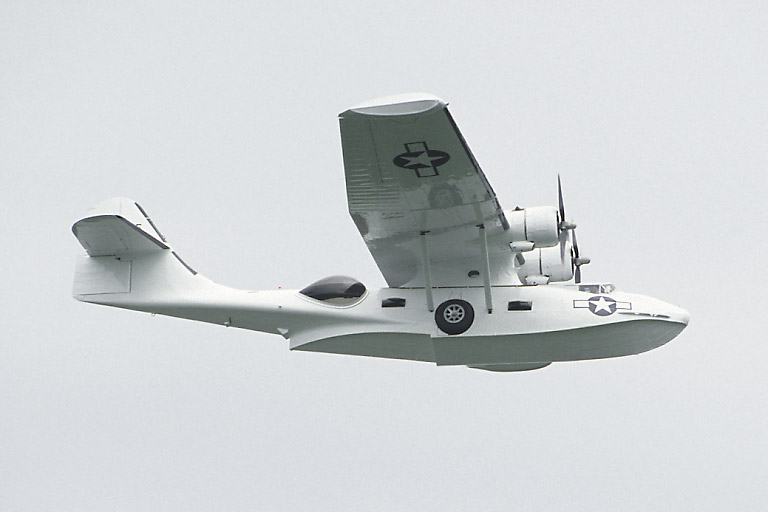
(468, 283)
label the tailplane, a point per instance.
(129, 264)
(128, 260)
(118, 227)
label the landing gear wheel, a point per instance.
(454, 316)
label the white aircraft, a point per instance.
(469, 283)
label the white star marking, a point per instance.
(422, 159)
(601, 304)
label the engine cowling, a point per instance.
(539, 224)
(546, 265)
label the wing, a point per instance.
(414, 189)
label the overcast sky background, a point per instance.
(220, 119)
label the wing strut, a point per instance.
(486, 268)
(427, 272)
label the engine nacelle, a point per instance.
(546, 265)
(538, 225)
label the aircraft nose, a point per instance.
(677, 314)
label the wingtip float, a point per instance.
(468, 282)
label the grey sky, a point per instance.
(220, 118)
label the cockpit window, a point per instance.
(597, 288)
(336, 290)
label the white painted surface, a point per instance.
(222, 118)
(99, 275)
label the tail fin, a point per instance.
(127, 254)
(130, 265)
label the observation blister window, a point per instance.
(336, 290)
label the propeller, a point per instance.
(568, 230)
(577, 260)
(564, 224)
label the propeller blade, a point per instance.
(578, 261)
(573, 260)
(575, 244)
(563, 239)
(568, 229)
(564, 224)
(560, 202)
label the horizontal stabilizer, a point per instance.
(118, 227)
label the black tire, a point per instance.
(454, 316)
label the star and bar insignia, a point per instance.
(601, 305)
(418, 157)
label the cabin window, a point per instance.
(393, 302)
(519, 305)
(597, 288)
(336, 290)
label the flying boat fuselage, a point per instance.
(527, 324)
(469, 283)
